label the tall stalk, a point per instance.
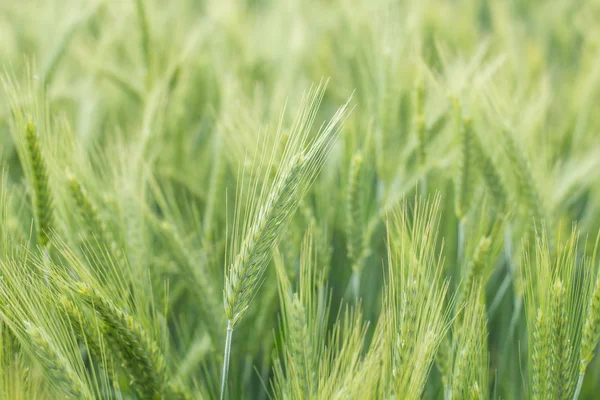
(226, 356)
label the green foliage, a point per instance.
(265, 199)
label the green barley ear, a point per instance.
(591, 328)
(540, 356)
(83, 330)
(268, 219)
(526, 185)
(139, 354)
(590, 336)
(443, 361)
(42, 199)
(410, 321)
(16, 379)
(471, 366)
(558, 286)
(358, 230)
(89, 335)
(245, 275)
(302, 328)
(354, 211)
(464, 177)
(489, 172)
(90, 214)
(299, 341)
(474, 269)
(414, 298)
(57, 366)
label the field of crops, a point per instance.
(299, 199)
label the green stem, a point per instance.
(506, 282)
(511, 330)
(508, 246)
(356, 282)
(447, 392)
(423, 185)
(226, 358)
(500, 294)
(515, 319)
(579, 386)
(461, 240)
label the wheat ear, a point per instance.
(489, 172)
(90, 214)
(354, 219)
(474, 269)
(139, 354)
(354, 209)
(89, 335)
(42, 200)
(56, 365)
(527, 189)
(443, 361)
(83, 330)
(246, 273)
(590, 335)
(542, 357)
(299, 339)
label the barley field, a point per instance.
(299, 199)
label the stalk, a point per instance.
(511, 330)
(464, 179)
(500, 294)
(421, 134)
(461, 240)
(226, 357)
(355, 281)
(506, 282)
(579, 386)
(508, 246)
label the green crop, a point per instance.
(299, 199)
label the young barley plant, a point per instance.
(265, 220)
